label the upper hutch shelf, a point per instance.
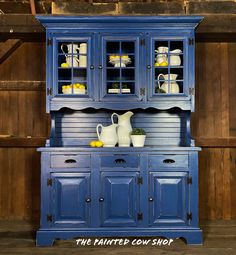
(120, 62)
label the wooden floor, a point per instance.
(18, 237)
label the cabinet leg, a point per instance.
(194, 238)
(44, 239)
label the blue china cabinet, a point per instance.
(100, 65)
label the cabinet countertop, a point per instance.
(117, 149)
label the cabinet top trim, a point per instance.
(180, 21)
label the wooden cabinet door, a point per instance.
(70, 199)
(119, 199)
(168, 198)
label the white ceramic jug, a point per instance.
(175, 59)
(71, 49)
(124, 128)
(83, 58)
(108, 135)
(173, 87)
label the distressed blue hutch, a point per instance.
(149, 191)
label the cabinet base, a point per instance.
(46, 237)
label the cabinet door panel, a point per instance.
(70, 191)
(73, 67)
(120, 67)
(170, 195)
(121, 199)
(168, 55)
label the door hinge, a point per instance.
(49, 182)
(140, 216)
(49, 41)
(140, 180)
(189, 216)
(142, 91)
(49, 91)
(189, 180)
(142, 42)
(49, 217)
(191, 41)
(191, 91)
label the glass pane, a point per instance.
(79, 75)
(128, 75)
(113, 74)
(127, 47)
(113, 47)
(72, 67)
(113, 88)
(128, 88)
(64, 73)
(176, 45)
(178, 72)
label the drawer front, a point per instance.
(167, 160)
(123, 161)
(68, 161)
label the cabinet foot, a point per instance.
(44, 238)
(194, 238)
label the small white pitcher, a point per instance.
(108, 135)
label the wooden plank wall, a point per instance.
(22, 111)
(214, 124)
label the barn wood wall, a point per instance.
(23, 117)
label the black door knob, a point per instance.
(150, 199)
(100, 67)
(101, 199)
(88, 200)
(148, 67)
(92, 67)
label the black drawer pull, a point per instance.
(101, 199)
(120, 161)
(150, 199)
(70, 161)
(168, 161)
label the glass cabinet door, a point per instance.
(120, 67)
(73, 65)
(169, 76)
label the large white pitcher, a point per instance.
(124, 128)
(173, 87)
(108, 135)
(71, 60)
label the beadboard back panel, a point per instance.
(79, 127)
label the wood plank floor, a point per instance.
(18, 237)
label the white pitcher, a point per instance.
(124, 128)
(173, 87)
(108, 135)
(175, 59)
(83, 58)
(71, 60)
(71, 48)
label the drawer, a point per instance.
(126, 161)
(167, 160)
(68, 161)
